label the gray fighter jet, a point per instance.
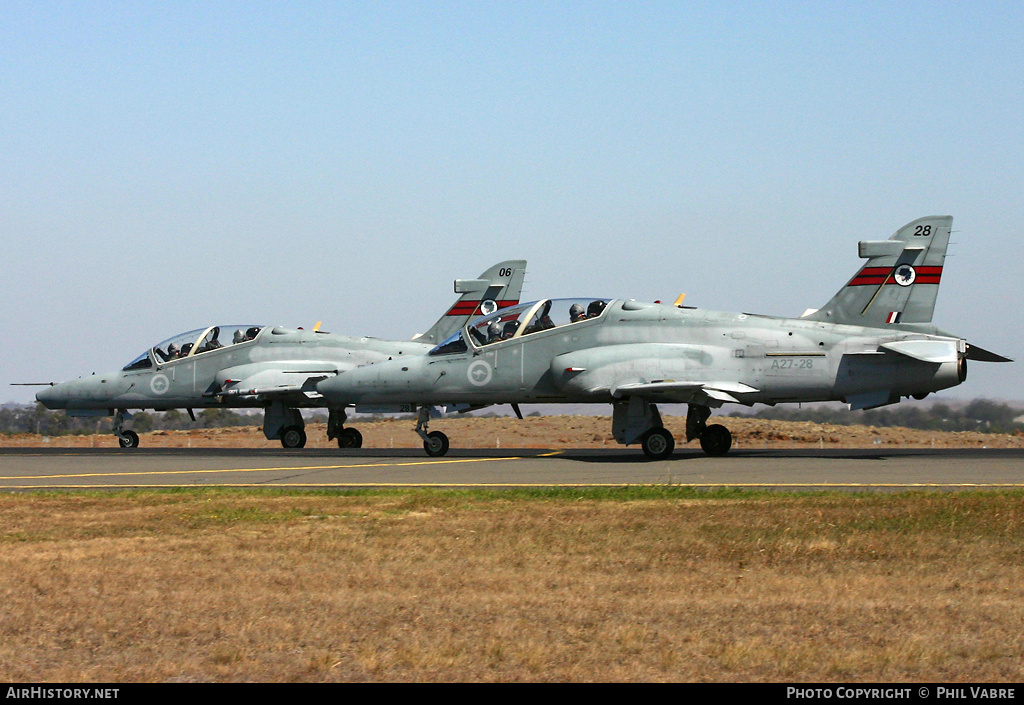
(266, 366)
(870, 345)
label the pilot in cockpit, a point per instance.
(542, 321)
(576, 313)
(493, 332)
(213, 343)
(238, 337)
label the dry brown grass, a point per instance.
(549, 432)
(453, 586)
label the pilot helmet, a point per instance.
(575, 312)
(494, 329)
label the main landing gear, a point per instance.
(715, 440)
(636, 420)
(286, 424)
(293, 437)
(347, 437)
(657, 443)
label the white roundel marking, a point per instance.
(905, 275)
(479, 373)
(159, 384)
(488, 307)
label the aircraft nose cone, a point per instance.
(51, 398)
(325, 386)
(339, 388)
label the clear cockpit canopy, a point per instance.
(195, 342)
(523, 320)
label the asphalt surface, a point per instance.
(38, 468)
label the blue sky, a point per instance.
(164, 166)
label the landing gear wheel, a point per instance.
(716, 440)
(658, 444)
(293, 437)
(436, 444)
(130, 440)
(350, 438)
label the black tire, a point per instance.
(716, 440)
(293, 437)
(436, 445)
(658, 444)
(130, 440)
(350, 438)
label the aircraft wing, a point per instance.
(627, 370)
(713, 394)
(274, 383)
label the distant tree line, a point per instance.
(979, 415)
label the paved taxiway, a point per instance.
(37, 468)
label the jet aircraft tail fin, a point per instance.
(899, 282)
(498, 287)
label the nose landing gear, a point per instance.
(125, 437)
(435, 443)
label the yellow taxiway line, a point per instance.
(535, 485)
(253, 469)
(283, 483)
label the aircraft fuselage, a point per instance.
(669, 354)
(199, 381)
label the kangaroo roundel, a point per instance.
(159, 384)
(479, 373)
